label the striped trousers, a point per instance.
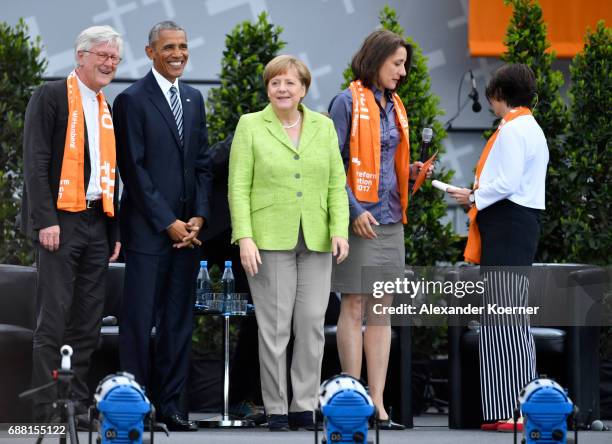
(509, 235)
(507, 350)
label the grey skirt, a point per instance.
(387, 251)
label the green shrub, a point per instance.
(249, 47)
(526, 43)
(587, 176)
(22, 70)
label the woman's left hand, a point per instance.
(415, 168)
(340, 248)
(461, 195)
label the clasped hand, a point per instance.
(185, 234)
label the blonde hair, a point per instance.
(282, 64)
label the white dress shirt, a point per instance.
(516, 166)
(89, 100)
(165, 86)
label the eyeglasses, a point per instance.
(103, 57)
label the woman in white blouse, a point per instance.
(504, 207)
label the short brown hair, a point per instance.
(282, 64)
(375, 50)
(514, 84)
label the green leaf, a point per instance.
(249, 47)
(22, 72)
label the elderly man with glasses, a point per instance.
(70, 210)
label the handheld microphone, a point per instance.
(426, 136)
(476, 106)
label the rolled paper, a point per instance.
(442, 186)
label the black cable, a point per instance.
(460, 106)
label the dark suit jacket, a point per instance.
(163, 179)
(220, 221)
(46, 120)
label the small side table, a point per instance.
(226, 420)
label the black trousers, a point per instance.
(509, 234)
(159, 291)
(71, 286)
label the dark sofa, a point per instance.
(18, 319)
(17, 324)
(567, 353)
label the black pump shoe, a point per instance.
(278, 423)
(388, 424)
(303, 420)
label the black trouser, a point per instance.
(70, 289)
(509, 234)
(159, 291)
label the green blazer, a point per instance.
(274, 186)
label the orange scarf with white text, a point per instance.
(71, 196)
(364, 163)
(473, 248)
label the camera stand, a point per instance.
(63, 403)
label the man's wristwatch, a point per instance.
(472, 198)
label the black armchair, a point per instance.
(568, 354)
(17, 323)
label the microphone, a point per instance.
(476, 106)
(426, 136)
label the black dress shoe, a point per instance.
(278, 423)
(177, 424)
(302, 420)
(388, 424)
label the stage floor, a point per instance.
(429, 429)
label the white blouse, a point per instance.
(516, 166)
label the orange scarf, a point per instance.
(71, 196)
(473, 248)
(364, 165)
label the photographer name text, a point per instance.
(469, 309)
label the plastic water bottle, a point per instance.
(228, 281)
(203, 284)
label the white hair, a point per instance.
(95, 35)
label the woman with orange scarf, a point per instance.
(504, 207)
(372, 128)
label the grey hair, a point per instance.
(161, 26)
(95, 35)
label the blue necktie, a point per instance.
(175, 104)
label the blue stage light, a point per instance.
(347, 408)
(122, 405)
(545, 407)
